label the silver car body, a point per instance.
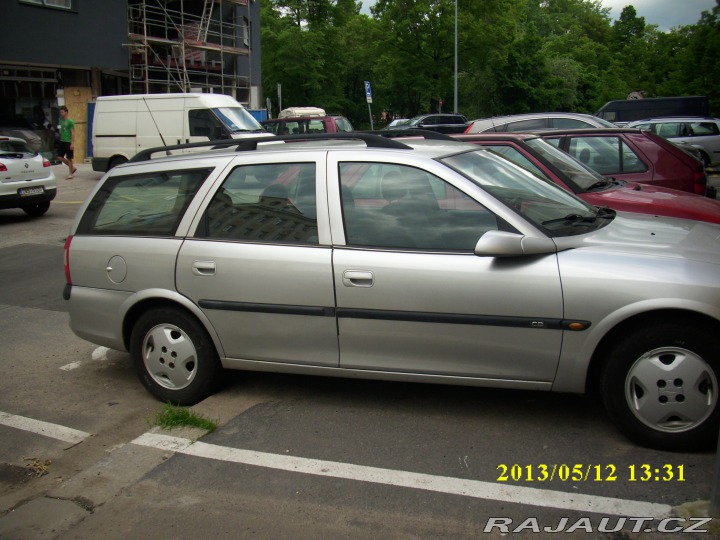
(535, 121)
(523, 309)
(635, 265)
(700, 133)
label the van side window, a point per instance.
(142, 204)
(202, 123)
(264, 203)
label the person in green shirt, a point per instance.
(66, 145)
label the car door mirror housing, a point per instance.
(507, 244)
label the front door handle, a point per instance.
(203, 268)
(358, 278)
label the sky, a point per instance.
(664, 13)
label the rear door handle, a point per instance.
(203, 268)
(358, 278)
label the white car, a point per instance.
(701, 133)
(27, 180)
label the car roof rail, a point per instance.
(411, 132)
(250, 144)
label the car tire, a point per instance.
(116, 161)
(36, 210)
(659, 385)
(174, 356)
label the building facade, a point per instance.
(68, 52)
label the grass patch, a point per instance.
(171, 417)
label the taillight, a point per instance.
(468, 128)
(46, 163)
(3, 168)
(700, 182)
(68, 280)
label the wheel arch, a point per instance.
(135, 311)
(633, 323)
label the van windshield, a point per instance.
(237, 119)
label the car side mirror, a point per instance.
(507, 244)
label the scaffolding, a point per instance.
(189, 46)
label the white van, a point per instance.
(125, 125)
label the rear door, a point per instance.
(259, 264)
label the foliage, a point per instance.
(172, 417)
(514, 56)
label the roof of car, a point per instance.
(674, 119)
(586, 131)
(535, 115)
(436, 146)
(496, 135)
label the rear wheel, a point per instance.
(36, 210)
(174, 357)
(660, 387)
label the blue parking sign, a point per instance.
(368, 91)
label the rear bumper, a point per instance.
(100, 164)
(14, 200)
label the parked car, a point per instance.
(27, 180)
(547, 162)
(534, 121)
(426, 261)
(633, 155)
(701, 133)
(440, 123)
(397, 122)
(297, 120)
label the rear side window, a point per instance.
(703, 129)
(525, 125)
(149, 204)
(569, 123)
(264, 203)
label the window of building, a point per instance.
(58, 4)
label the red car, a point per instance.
(545, 161)
(633, 155)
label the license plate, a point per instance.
(24, 192)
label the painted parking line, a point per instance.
(441, 484)
(54, 431)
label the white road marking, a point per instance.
(47, 429)
(456, 486)
(100, 354)
(71, 366)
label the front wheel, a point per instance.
(660, 387)
(174, 357)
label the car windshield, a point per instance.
(542, 203)
(237, 119)
(582, 176)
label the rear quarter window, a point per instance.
(149, 204)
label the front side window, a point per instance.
(606, 155)
(264, 203)
(514, 155)
(202, 123)
(149, 204)
(343, 124)
(703, 129)
(396, 206)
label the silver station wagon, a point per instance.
(418, 260)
